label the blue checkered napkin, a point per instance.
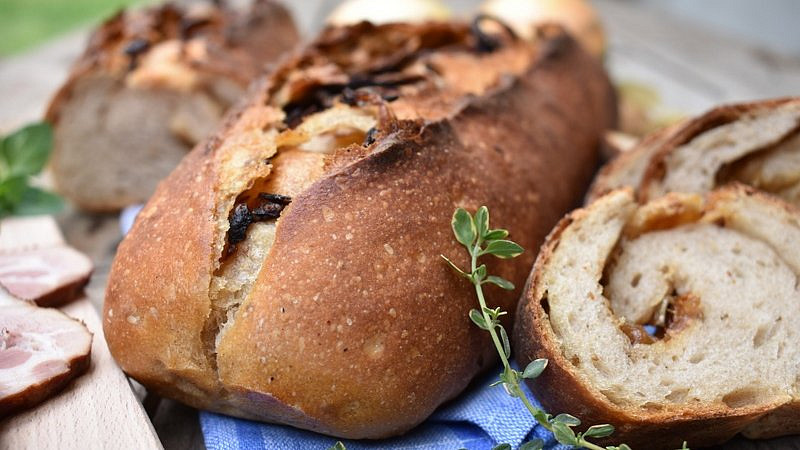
(479, 419)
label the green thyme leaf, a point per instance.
(534, 368)
(567, 419)
(25, 152)
(455, 267)
(564, 434)
(482, 221)
(494, 235)
(500, 281)
(337, 446)
(463, 227)
(479, 274)
(506, 343)
(477, 319)
(495, 313)
(502, 447)
(536, 444)
(502, 249)
(599, 431)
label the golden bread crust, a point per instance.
(354, 327)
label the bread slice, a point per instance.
(295, 256)
(149, 86)
(715, 279)
(754, 143)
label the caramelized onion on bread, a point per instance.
(674, 320)
(288, 270)
(149, 86)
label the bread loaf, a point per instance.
(151, 84)
(288, 270)
(754, 143)
(715, 280)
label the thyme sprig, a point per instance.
(474, 234)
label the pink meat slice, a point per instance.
(49, 276)
(41, 351)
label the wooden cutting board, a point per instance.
(99, 409)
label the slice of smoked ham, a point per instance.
(49, 276)
(41, 351)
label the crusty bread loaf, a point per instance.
(288, 270)
(715, 278)
(755, 143)
(150, 85)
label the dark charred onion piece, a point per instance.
(360, 89)
(270, 207)
(135, 48)
(372, 134)
(486, 43)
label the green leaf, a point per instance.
(624, 447)
(479, 274)
(463, 227)
(567, 419)
(11, 191)
(502, 447)
(534, 368)
(506, 343)
(494, 235)
(455, 267)
(477, 319)
(599, 431)
(496, 383)
(503, 249)
(482, 221)
(337, 446)
(564, 434)
(494, 313)
(25, 151)
(684, 446)
(500, 281)
(37, 201)
(536, 444)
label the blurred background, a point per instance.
(671, 58)
(771, 25)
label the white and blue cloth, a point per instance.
(479, 419)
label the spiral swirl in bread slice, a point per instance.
(674, 320)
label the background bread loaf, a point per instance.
(150, 85)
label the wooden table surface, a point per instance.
(691, 69)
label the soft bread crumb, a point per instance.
(740, 351)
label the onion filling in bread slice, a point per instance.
(675, 320)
